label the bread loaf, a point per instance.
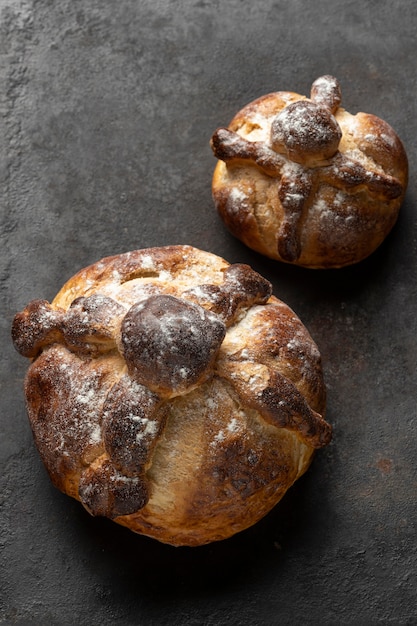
(172, 392)
(303, 181)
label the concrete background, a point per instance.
(106, 111)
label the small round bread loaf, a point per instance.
(305, 182)
(171, 392)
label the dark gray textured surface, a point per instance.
(106, 111)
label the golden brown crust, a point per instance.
(305, 182)
(171, 392)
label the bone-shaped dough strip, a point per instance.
(277, 399)
(228, 146)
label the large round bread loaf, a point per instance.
(171, 392)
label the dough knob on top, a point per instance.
(306, 131)
(170, 345)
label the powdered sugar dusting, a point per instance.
(233, 426)
(147, 262)
(148, 427)
(237, 195)
(85, 394)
